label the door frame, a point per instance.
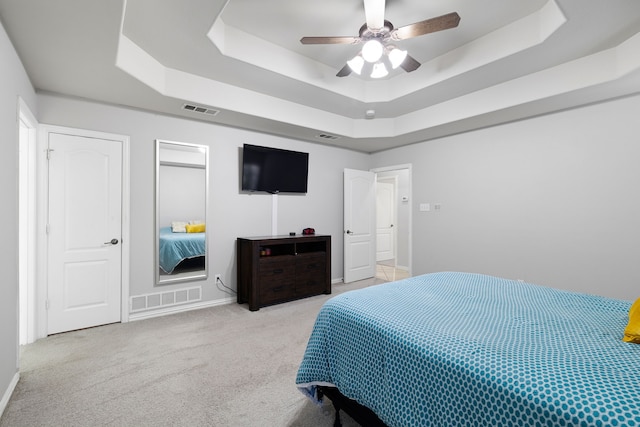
(43, 214)
(27, 230)
(408, 167)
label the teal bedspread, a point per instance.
(176, 247)
(459, 349)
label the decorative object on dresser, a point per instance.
(276, 269)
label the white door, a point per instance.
(385, 220)
(359, 225)
(85, 229)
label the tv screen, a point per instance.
(274, 170)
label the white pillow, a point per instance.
(178, 227)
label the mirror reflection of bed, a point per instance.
(187, 267)
(181, 205)
(182, 249)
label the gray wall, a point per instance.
(232, 214)
(553, 200)
(14, 83)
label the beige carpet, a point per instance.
(221, 366)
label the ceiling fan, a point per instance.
(377, 36)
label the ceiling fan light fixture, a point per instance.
(374, 13)
(397, 57)
(356, 64)
(372, 51)
(376, 35)
(379, 71)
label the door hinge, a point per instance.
(47, 228)
(46, 304)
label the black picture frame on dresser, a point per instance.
(276, 269)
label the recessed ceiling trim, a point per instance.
(581, 74)
(242, 46)
(136, 62)
(518, 36)
(584, 73)
(515, 37)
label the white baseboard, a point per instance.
(7, 394)
(179, 309)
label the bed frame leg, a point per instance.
(337, 422)
(360, 414)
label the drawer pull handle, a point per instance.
(278, 271)
(278, 289)
(310, 266)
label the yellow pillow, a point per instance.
(195, 228)
(632, 331)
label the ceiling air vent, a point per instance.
(327, 136)
(200, 109)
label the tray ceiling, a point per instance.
(242, 58)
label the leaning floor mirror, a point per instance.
(182, 193)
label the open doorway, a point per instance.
(27, 130)
(393, 222)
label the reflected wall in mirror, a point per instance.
(182, 180)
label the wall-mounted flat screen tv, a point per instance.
(274, 170)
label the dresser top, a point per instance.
(285, 236)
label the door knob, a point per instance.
(112, 242)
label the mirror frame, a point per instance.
(198, 274)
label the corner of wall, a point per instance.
(8, 392)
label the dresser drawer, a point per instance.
(310, 285)
(311, 263)
(276, 279)
(276, 267)
(311, 274)
(277, 289)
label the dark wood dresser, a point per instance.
(276, 269)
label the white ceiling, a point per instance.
(505, 61)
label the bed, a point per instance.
(447, 349)
(177, 247)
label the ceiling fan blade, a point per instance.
(410, 64)
(374, 14)
(330, 40)
(432, 25)
(344, 72)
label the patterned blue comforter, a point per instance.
(449, 349)
(176, 247)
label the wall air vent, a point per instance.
(200, 109)
(327, 136)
